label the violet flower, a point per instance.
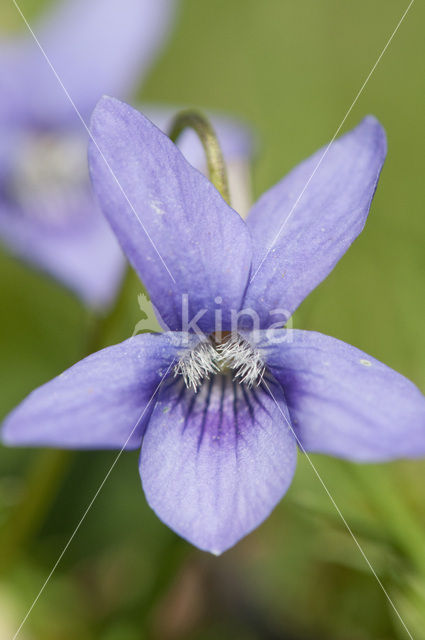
(47, 213)
(218, 419)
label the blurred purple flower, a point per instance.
(216, 460)
(47, 213)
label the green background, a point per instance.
(292, 70)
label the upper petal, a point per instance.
(102, 402)
(178, 232)
(214, 464)
(306, 222)
(53, 222)
(96, 47)
(343, 402)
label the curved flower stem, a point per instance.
(50, 467)
(215, 161)
(406, 533)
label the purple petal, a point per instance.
(343, 402)
(101, 402)
(96, 47)
(14, 105)
(214, 464)
(178, 232)
(306, 222)
(77, 247)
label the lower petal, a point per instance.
(343, 402)
(215, 463)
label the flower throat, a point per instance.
(230, 353)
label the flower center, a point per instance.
(50, 175)
(232, 353)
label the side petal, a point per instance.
(343, 402)
(177, 231)
(304, 224)
(214, 464)
(102, 402)
(96, 47)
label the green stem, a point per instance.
(215, 161)
(50, 467)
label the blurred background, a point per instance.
(290, 70)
